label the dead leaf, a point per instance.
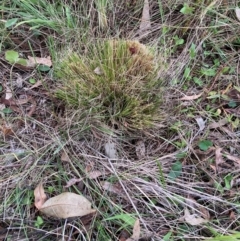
(12, 101)
(19, 81)
(8, 94)
(191, 202)
(94, 174)
(214, 168)
(73, 181)
(234, 94)
(98, 71)
(232, 216)
(215, 125)
(108, 186)
(192, 97)
(40, 196)
(85, 220)
(64, 157)
(67, 205)
(205, 213)
(2, 106)
(136, 232)
(124, 235)
(145, 20)
(201, 123)
(233, 158)
(140, 149)
(6, 130)
(110, 150)
(33, 107)
(89, 167)
(218, 157)
(237, 11)
(192, 219)
(33, 61)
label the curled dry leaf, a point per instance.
(67, 205)
(192, 97)
(136, 232)
(192, 219)
(73, 181)
(237, 11)
(40, 196)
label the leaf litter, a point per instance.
(218, 125)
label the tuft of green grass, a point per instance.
(114, 83)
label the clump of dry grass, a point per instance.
(115, 83)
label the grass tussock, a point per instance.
(115, 83)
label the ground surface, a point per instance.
(180, 178)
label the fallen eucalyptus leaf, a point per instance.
(192, 97)
(67, 205)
